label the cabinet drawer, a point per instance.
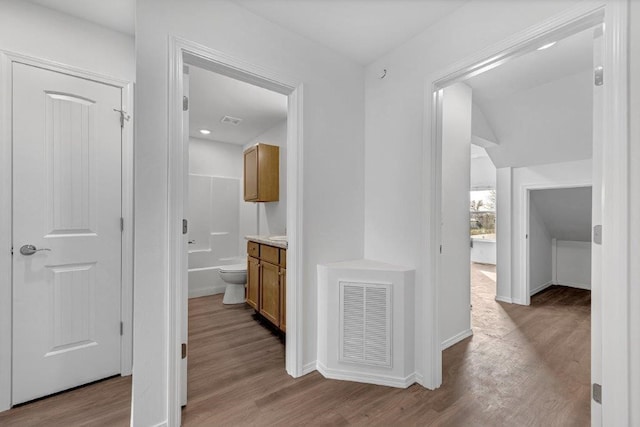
(270, 254)
(283, 258)
(253, 249)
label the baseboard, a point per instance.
(162, 424)
(308, 368)
(419, 379)
(574, 285)
(203, 292)
(360, 377)
(456, 339)
(504, 299)
(540, 288)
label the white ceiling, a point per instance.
(362, 30)
(568, 56)
(117, 15)
(566, 212)
(539, 105)
(213, 96)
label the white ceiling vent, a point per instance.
(365, 323)
(230, 120)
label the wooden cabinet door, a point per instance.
(251, 174)
(253, 281)
(270, 293)
(283, 299)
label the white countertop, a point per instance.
(268, 240)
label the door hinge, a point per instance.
(597, 393)
(123, 116)
(184, 350)
(597, 234)
(121, 224)
(185, 103)
(185, 226)
(598, 76)
(121, 328)
(440, 248)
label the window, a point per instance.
(482, 218)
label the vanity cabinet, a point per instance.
(262, 173)
(266, 282)
(253, 284)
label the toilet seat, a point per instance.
(235, 268)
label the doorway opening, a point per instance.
(535, 114)
(559, 238)
(236, 134)
(185, 53)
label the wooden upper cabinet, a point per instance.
(262, 173)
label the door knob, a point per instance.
(31, 249)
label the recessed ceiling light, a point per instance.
(205, 131)
(546, 46)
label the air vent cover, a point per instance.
(365, 323)
(230, 120)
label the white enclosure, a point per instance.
(365, 323)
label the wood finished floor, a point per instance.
(524, 366)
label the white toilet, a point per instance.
(235, 276)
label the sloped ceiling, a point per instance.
(566, 212)
(539, 105)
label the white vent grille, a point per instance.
(365, 323)
(235, 121)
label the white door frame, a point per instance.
(183, 51)
(6, 82)
(615, 306)
(523, 241)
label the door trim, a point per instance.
(615, 263)
(181, 51)
(7, 58)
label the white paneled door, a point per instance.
(66, 231)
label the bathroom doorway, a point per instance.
(225, 121)
(185, 53)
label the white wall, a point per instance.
(41, 32)
(634, 192)
(396, 123)
(208, 157)
(333, 174)
(32, 30)
(483, 173)
(540, 259)
(504, 221)
(511, 286)
(455, 294)
(272, 216)
(572, 265)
